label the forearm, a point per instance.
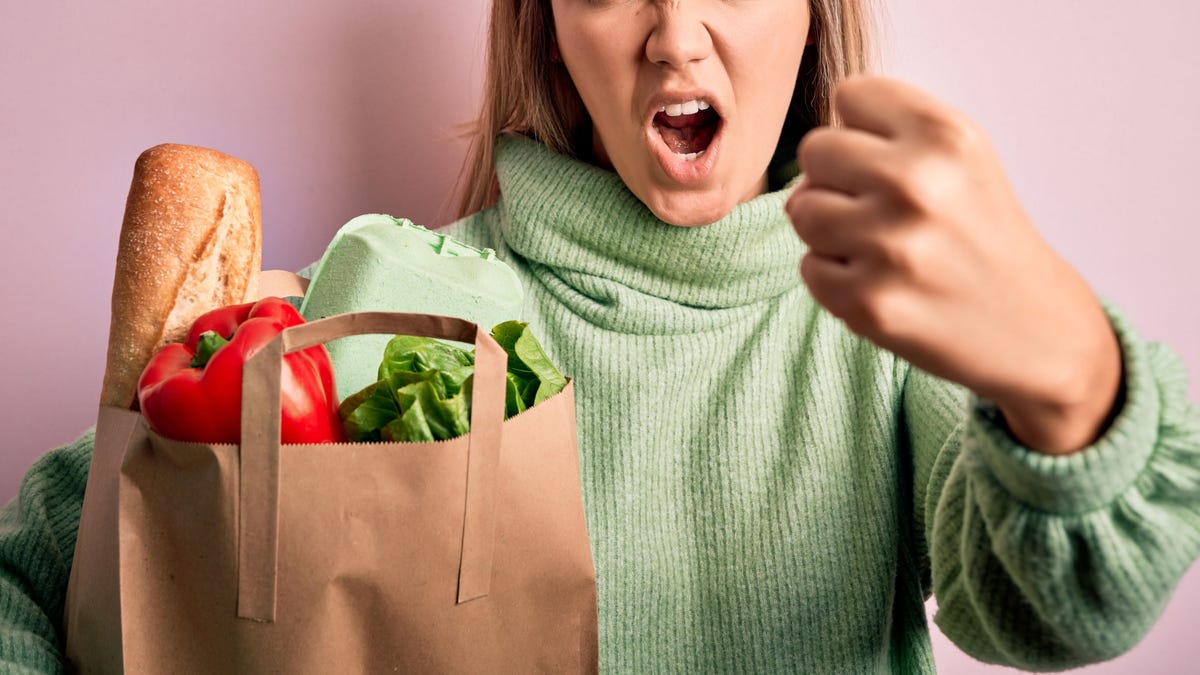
(37, 542)
(1046, 561)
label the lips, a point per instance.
(683, 134)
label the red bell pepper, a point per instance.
(192, 391)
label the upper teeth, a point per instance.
(687, 108)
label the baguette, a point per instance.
(191, 241)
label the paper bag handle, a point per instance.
(258, 513)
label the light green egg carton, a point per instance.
(380, 263)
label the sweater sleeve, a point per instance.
(37, 544)
(1047, 563)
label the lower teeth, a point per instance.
(691, 156)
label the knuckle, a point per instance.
(928, 121)
(875, 313)
(894, 175)
(894, 254)
(949, 132)
(921, 182)
(908, 251)
(959, 139)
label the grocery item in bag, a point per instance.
(467, 555)
(380, 263)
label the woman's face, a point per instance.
(687, 97)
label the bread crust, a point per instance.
(191, 241)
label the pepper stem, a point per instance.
(208, 344)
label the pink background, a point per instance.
(350, 107)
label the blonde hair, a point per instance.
(528, 91)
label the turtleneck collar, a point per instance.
(573, 217)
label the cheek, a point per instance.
(593, 54)
(764, 66)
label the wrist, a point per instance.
(1076, 413)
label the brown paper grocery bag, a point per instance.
(468, 555)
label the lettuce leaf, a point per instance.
(530, 371)
(424, 388)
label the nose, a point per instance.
(679, 36)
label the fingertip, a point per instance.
(810, 264)
(790, 205)
(805, 266)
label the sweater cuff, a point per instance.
(1094, 476)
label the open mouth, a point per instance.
(685, 138)
(687, 129)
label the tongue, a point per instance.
(686, 134)
(687, 140)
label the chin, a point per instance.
(689, 209)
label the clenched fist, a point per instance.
(918, 243)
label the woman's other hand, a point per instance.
(918, 243)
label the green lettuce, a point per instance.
(424, 388)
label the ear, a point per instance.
(812, 35)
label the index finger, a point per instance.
(884, 106)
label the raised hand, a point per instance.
(918, 243)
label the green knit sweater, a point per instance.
(765, 491)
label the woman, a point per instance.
(778, 468)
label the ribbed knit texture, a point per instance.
(765, 491)
(757, 478)
(37, 542)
